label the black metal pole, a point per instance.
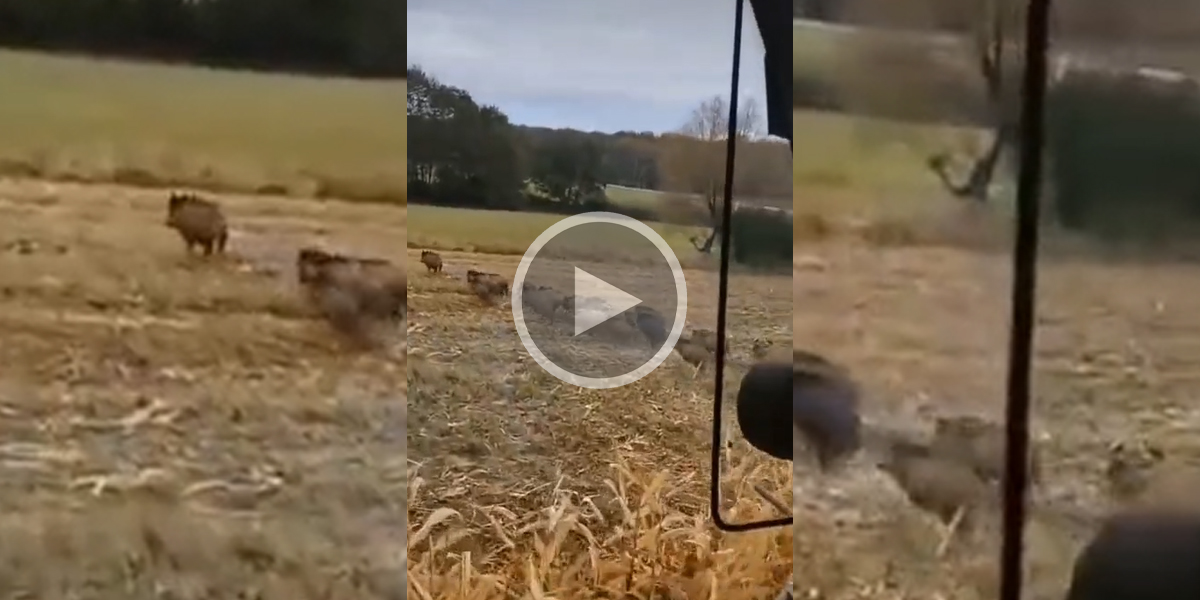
(1024, 299)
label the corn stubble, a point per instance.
(652, 540)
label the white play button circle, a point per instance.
(626, 295)
(615, 301)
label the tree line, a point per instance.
(363, 38)
(462, 153)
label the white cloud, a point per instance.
(663, 56)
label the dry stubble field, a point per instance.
(921, 319)
(523, 486)
(181, 428)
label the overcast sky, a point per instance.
(604, 66)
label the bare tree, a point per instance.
(694, 159)
(991, 29)
(994, 26)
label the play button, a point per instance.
(616, 301)
(599, 300)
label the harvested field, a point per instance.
(925, 331)
(181, 427)
(523, 486)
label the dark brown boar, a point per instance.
(947, 488)
(488, 286)
(199, 222)
(706, 338)
(432, 261)
(979, 444)
(825, 408)
(353, 294)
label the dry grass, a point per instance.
(182, 428)
(925, 328)
(523, 486)
(893, 284)
(84, 120)
(515, 480)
